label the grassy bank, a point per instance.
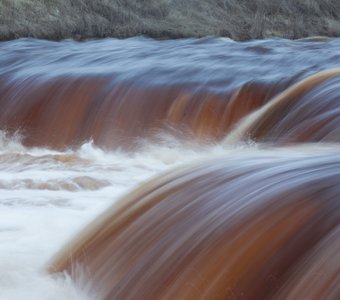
(237, 19)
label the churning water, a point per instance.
(234, 147)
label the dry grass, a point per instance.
(237, 19)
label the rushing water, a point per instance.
(238, 143)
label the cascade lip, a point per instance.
(64, 94)
(242, 216)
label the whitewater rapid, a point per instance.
(48, 196)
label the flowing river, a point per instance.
(182, 169)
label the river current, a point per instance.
(220, 131)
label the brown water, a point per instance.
(117, 92)
(258, 220)
(228, 229)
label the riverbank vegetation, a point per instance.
(236, 19)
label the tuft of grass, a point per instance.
(236, 19)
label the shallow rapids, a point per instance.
(187, 169)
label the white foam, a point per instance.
(36, 220)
